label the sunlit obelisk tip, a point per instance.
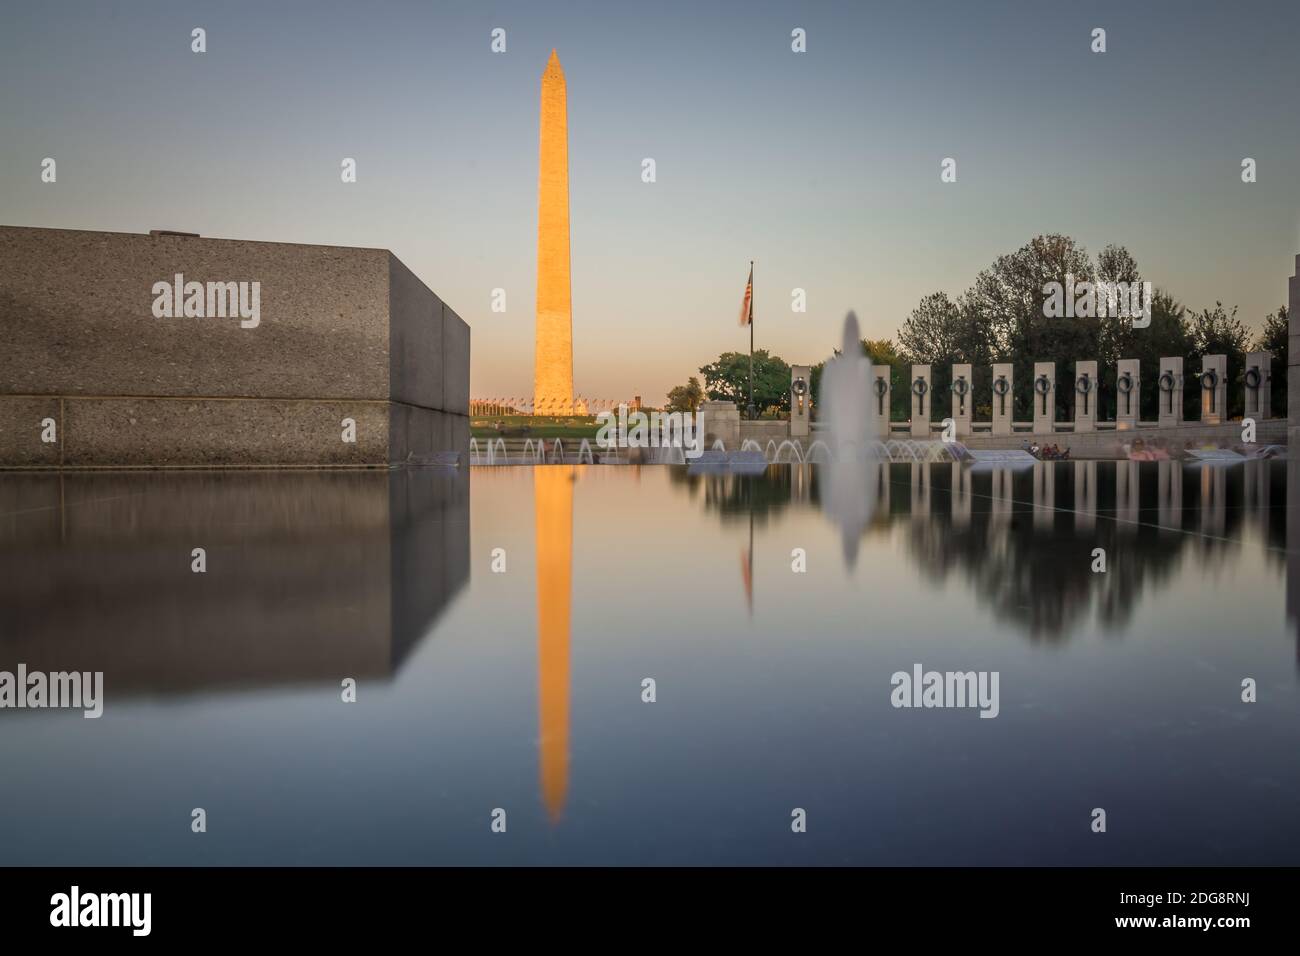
(553, 362)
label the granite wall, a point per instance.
(340, 333)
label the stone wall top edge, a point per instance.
(114, 234)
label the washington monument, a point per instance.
(553, 362)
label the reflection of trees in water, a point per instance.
(1031, 565)
(736, 497)
(1027, 552)
(1030, 558)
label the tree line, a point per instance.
(1002, 318)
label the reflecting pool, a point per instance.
(501, 624)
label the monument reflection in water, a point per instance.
(553, 492)
(522, 690)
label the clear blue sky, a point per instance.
(822, 166)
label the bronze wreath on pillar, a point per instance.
(1000, 388)
(1166, 384)
(881, 387)
(1125, 385)
(1043, 385)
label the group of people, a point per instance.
(1048, 452)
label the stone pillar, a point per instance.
(1044, 393)
(882, 395)
(1169, 392)
(1214, 389)
(721, 422)
(800, 400)
(921, 401)
(1085, 396)
(1259, 386)
(1128, 404)
(1003, 380)
(963, 399)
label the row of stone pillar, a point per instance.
(1213, 385)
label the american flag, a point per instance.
(747, 303)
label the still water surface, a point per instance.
(522, 689)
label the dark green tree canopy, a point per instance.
(1006, 317)
(686, 398)
(727, 380)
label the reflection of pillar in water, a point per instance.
(1000, 507)
(1213, 494)
(1169, 495)
(1255, 492)
(800, 482)
(920, 489)
(882, 489)
(553, 496)
(1085, 495)
(961, 496)
(1126, 496)
(1293, 548)
(1044, 495)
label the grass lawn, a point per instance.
(534, 426)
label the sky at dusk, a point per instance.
(822, 166)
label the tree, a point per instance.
(1275, 339)
(938, 333)
(727, 380)
(1116, 337)
(1167, 335)
(1218, 332)
(1005, 317)
(881, 352)
(1010, 296)
(686, 398)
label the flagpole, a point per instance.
(750, 410)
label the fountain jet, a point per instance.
(851, 473)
